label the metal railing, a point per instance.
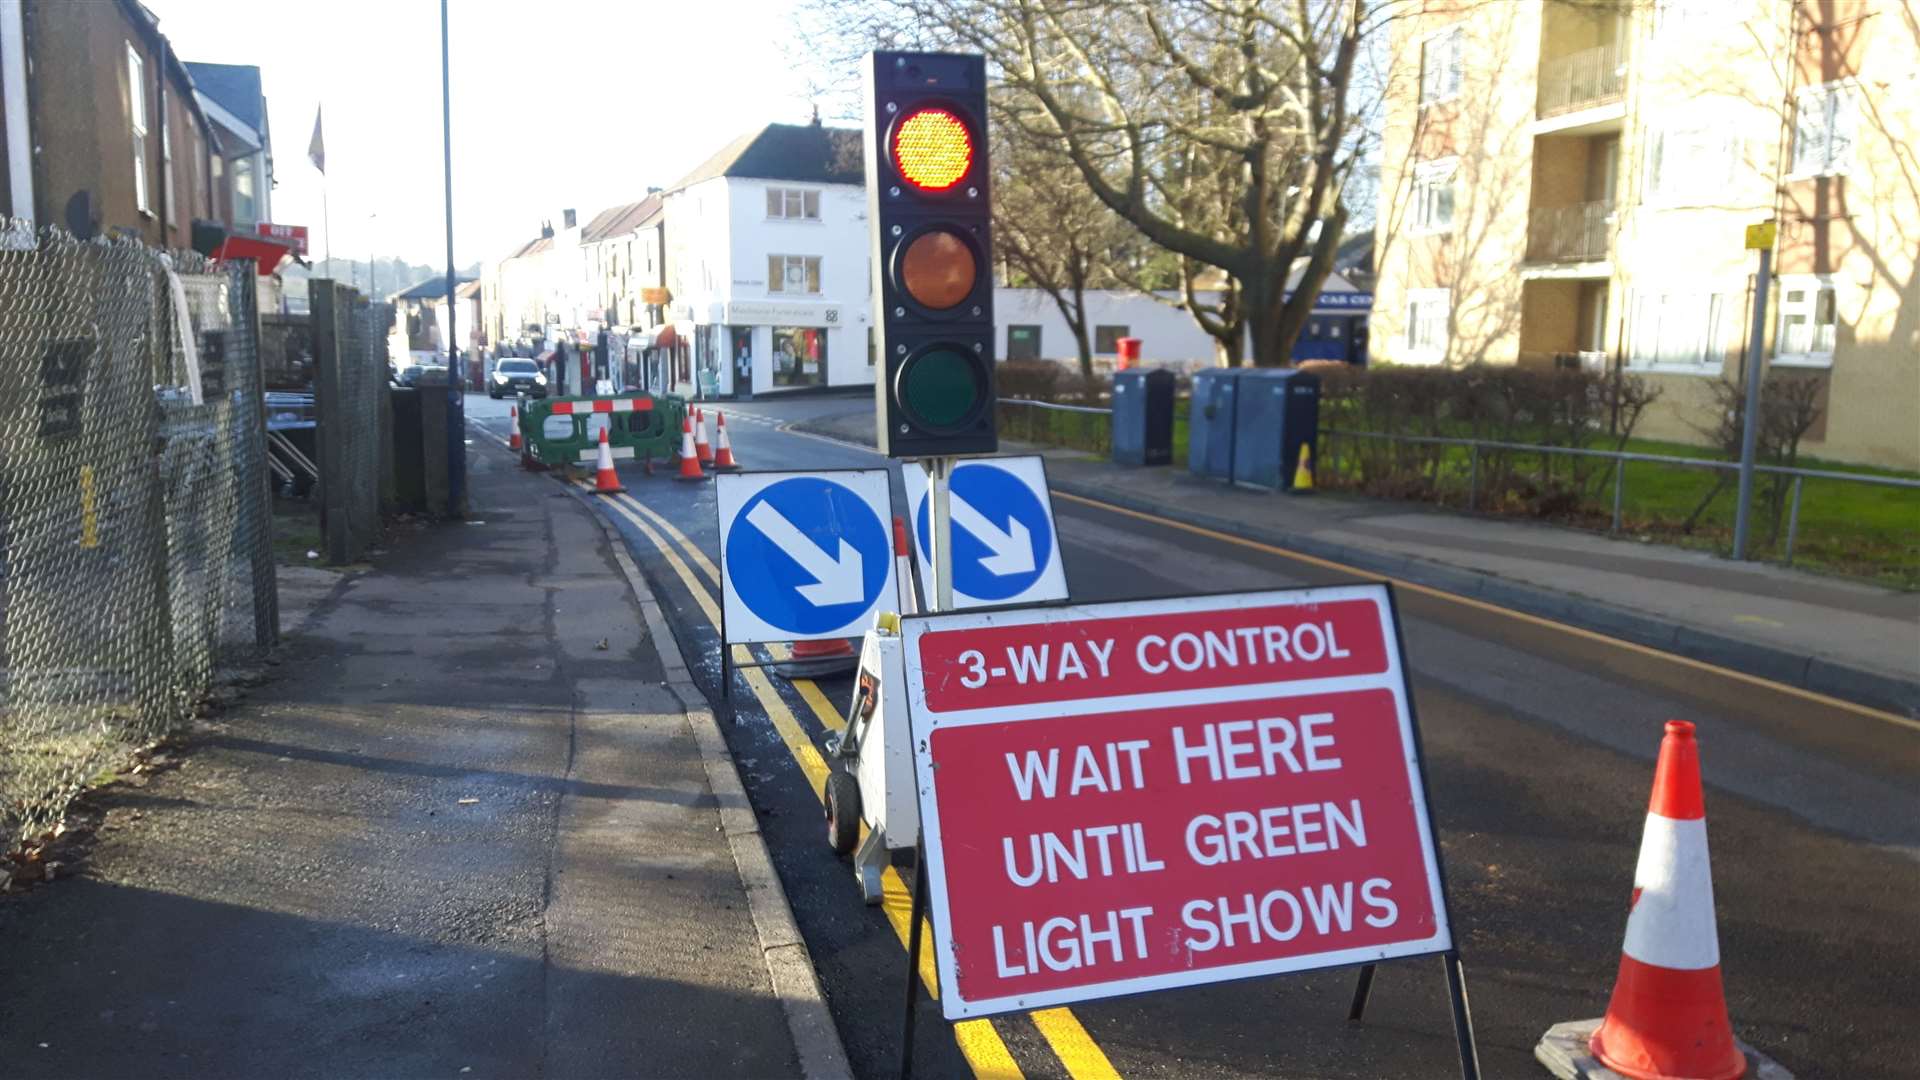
(1582, 232)
(1057, 407)
(1620, 459)
(1582, 80)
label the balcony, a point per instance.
(1582, 80)
(1581, 233)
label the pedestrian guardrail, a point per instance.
(566, 431)
(1620, 458)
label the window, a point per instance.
(1691, 164)
(1427, 314)
(793, 274)
(1679, 329)
(1023, 343)
(1106, 339)
(1433, 196)
(243, 211)
(799, 356)
(1440, 61)
(1808, 323)
(793, 204)
(137, 118)
(1823, 123)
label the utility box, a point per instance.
(1143, 417)
(1278, 414)
(1210, 419)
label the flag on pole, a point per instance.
(317, 149)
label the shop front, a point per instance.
(773, 347)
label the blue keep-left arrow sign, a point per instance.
(804, 555)
(1005, 549)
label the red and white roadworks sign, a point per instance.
(1126, 797)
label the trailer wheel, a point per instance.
(843, 811)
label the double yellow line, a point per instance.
(979, 1041)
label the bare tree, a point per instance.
(1053, 235)
(1220, 129)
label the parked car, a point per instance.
(512, 375)
(409, 375)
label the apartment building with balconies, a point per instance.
(1569, 182)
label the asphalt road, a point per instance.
(1539, 745)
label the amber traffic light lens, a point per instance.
(932, 149)
(938, 270)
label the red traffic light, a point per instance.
(932, 148)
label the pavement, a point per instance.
(1539, 739)
(475, 824)
(1855, 641)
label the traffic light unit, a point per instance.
(929, 209)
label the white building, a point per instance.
(1029, 326)
(767, 264)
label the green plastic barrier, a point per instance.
(566, 431)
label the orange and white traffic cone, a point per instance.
(689, 460)
(605, 480)
(514, 442)
(722, 446)
(1668, 1016)
(700, 444)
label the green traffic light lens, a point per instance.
(941, 388)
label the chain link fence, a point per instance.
(355, 415)
(135, 517)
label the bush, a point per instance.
(1522, 406)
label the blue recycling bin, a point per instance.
(1277, 413)
(1210, 420)
(1143, 417)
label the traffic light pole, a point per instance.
(940, 478)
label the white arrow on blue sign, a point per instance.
(1005, 547)
(805, 555)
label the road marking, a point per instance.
(1535, 620)
(980, 1043)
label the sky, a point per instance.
(556, 104)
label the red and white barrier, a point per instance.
(602, 405)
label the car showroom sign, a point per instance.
(1133, 796)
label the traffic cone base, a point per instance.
(689, 461)
(722, 446)
(813, 659)
(1566, 1051)
(605, 480)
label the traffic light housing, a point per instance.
(929, 209)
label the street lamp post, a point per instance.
(456, 401)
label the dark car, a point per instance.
(512, 375)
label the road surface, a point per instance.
(1539, 742)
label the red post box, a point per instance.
(1129, 354)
